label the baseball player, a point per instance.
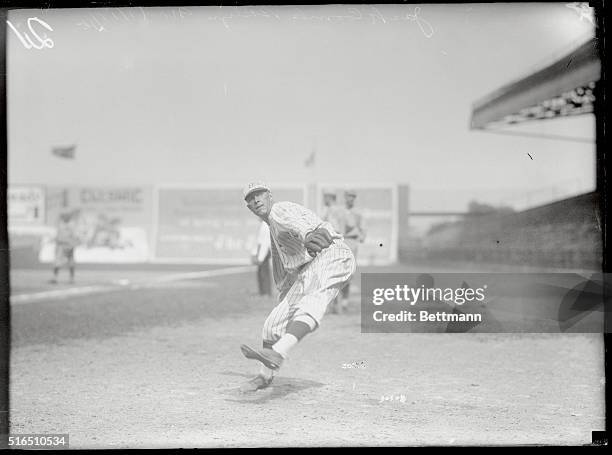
(354, 234)
(331, 212)
(310, 264)
(335, 215)
(65, 242)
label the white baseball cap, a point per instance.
(254, 186)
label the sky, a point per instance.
(229, 95)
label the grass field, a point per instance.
(150, 358)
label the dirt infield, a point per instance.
(171, 381)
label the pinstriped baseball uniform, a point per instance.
(306, 284)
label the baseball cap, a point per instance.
(350, 192)
(329, 191)
(254, 186)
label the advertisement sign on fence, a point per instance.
(208, 224)
(112, 223)
(26, 206)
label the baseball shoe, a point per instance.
(255, 384)
(269, 357)
(52, 281)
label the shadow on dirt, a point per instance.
(280, 388)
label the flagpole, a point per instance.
(312, 175)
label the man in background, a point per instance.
(331, 212)
(66, 241)
(334, 215)
(354, 234)
(260, 256)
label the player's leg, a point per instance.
(70, 256)
(276, 352)
(303, 307)
(273, 329)
(57, 263)
(273, 326)
(53, 280)
(297, 329)
(281, 331)
(321, 282)
(344, 300)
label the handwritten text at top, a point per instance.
(102, 19)
(39, 42)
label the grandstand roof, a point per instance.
(562, 88)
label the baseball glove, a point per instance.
(317, 240)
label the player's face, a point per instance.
(260, 203)
(329, 199)
(350, 200)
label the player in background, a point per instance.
(66, 241)
(331, 212)
(354, 234)
(261, 256)
(335, 216)
(310, 264)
